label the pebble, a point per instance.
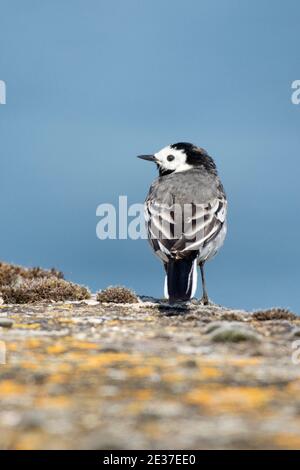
(6, 322)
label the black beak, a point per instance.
(150, 158)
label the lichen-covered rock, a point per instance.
(70, 370)
(118, 295)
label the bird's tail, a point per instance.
(181, 279)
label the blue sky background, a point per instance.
(91, 84)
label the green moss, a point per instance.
(213, 326)
(233, 334)
(118, 295)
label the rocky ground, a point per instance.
(106, 376)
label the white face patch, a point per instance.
(176, 164)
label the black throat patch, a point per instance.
(163, 171)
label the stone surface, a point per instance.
(148, 375)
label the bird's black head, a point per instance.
(179, 157)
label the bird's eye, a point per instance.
(170, 158)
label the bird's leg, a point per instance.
(204, 300)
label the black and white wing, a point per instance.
(185, 230)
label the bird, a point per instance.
(185, 215)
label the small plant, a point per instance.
(21, 285)
(47, 289)
(118, 295)
(11, 273)
(274, 314)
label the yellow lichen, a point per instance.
(9, 387)
(287, 441)
(231, 399)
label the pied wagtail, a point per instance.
(185, 214)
